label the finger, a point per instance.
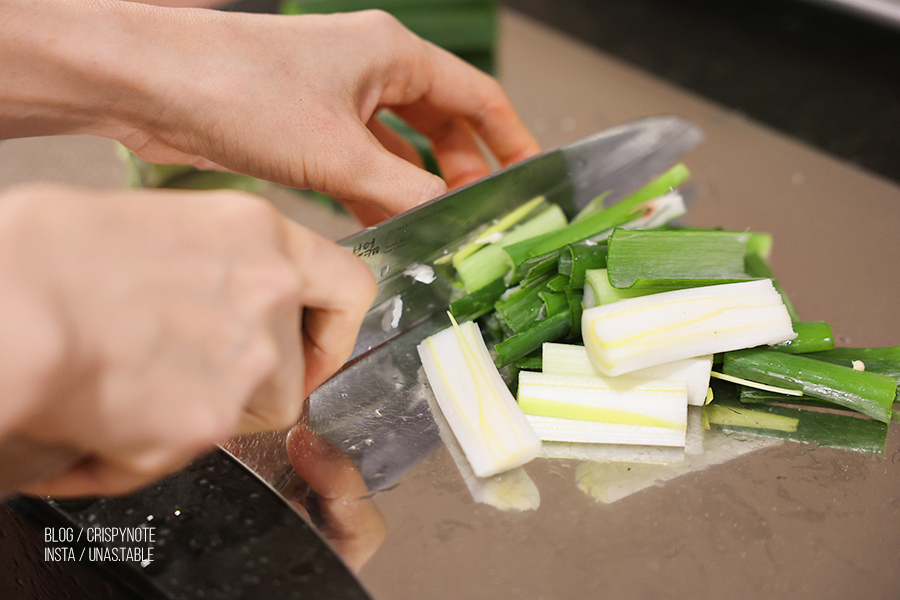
(28, 462)
(363, 170)
(366, 214)
(394, 143)
(101, 477)
(458, 154)
(277, 402)
(337, 289)
(461, 90)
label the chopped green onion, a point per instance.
(593, 224)
(555, 429)
(871, 394)
(523, 308)
(481, 411)
(884, 360)
(575, 260)
(812, 336)
(649, 330)
(660, 186)
(623, 400)
(755, 384)
(479, 302)
(603, 292)
(500, 227)
(676, 256)
(522, 344)
(490, 262)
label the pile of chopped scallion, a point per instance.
(608, 326)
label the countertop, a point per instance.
(785, 520)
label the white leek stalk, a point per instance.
(482, 413)
(605, 411)
(573, 359)
(641, 332)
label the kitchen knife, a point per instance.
(375, 408)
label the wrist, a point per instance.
(95, 68)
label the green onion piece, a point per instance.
(521, 344)
(603, 292)
(576, 309)
(759, 245)
(834, 430)
(535, 266)
(641, 332)
(676, 256)
(560, 283)
(599, 222)
(478, 303)
(556, 429)
(884, 360)
(755, 384)
(575, 260)
(490, 262)
(756, 395)
(812, 336)
(666, 182)
(500, 227)
(554, 302)
(532, 362)
(523, 307)
(871, 394)
(482, 413)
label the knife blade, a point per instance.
(375, 408)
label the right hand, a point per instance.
(140, 328)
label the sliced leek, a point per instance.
(482, 413)
(641, 332)
(555, 429)
(612, 411)
(572, 359)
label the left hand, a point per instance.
(294, 99)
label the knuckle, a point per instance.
(260, 363)
(281, 284)
(377, 20)
(247, 211)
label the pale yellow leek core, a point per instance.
(640, 332)
(483, 416)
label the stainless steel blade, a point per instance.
(375, 409)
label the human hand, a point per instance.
(294, 99)
(291, 99)
(142, 327)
